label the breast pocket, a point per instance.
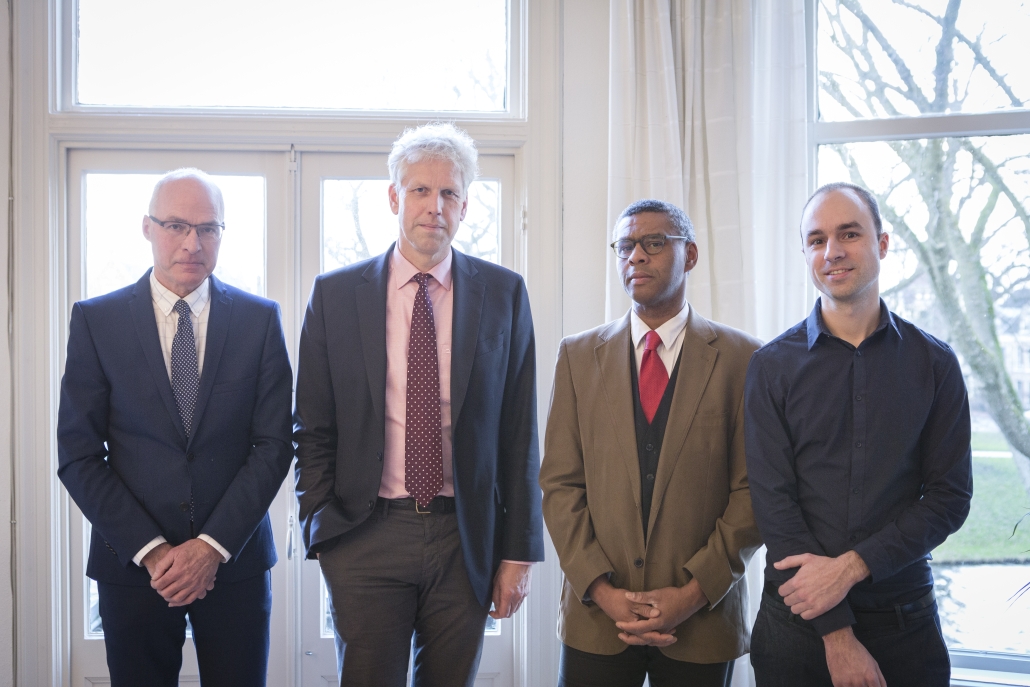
(485, 346)
(234, 385)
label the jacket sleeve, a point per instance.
(246, 500)
(563, 479)
(519, 450)
(720, 562)
(82, 435)
(314, 424)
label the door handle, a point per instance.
(289, 541)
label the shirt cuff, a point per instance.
(834, 619)
(216, 546)
(517, 562)
(153, 544)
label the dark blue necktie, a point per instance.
(185, 374)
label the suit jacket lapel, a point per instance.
(371, 307)
(468, 296)
(141, 305)
(613, 357)
(697, 360)
(217, 332)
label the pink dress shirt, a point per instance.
(400, 300)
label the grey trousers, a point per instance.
(399, 574)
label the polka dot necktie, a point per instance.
(653, 376)
(423, 427)
(185, 374)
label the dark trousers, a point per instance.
(628, 669)
(786, 651)
(144, 637)
(398, 574)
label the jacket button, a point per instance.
(650, 478)
(639, 562)
(371, 504)
(190, 456)
(380, 456)
(184, 506)
(649, 447)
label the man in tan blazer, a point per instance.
(645, 489)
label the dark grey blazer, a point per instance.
(123, 454)
(340, 425)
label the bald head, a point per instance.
(188, 176)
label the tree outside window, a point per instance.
(955, 197)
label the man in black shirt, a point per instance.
(857, 439)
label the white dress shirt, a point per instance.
(167, 323)
(671, 333)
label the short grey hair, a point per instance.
(678, 219)
(434, 141)
(864, 194)
(189, 173)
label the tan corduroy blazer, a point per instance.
(701, 525)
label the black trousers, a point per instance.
(144, 637)
(628, 669)
(786, 651)
(397, 575)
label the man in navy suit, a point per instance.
(173, 438)
(415, 426)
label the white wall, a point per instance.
(6, 588)
(584, 164)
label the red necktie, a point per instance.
(653, 376)
(423, 428)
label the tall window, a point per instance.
(924, 102)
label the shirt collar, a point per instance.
(402, 270)
(166, 299)
(668, 330)
(816, 326)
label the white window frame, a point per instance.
(968, 667)
(46, 126)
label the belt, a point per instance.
(894, 615)
(441, 505)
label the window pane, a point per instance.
(117, 254)
(357, 222)
(958, 211)
(886, 59)
(341, 54)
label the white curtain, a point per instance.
(707, 109)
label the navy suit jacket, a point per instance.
(123, 454)
(340, 423)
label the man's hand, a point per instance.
(511, 585)
(820, 582)
(154, 556)
(849, 662)
(660, 611)
(611, 600)
(186, 573)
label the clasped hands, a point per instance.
(184, 573)
(648, 618)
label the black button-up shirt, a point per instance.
(863, 449)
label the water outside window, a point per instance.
(446, 55)
(117, 254)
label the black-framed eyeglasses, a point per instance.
(652, 244)
(207, 231)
